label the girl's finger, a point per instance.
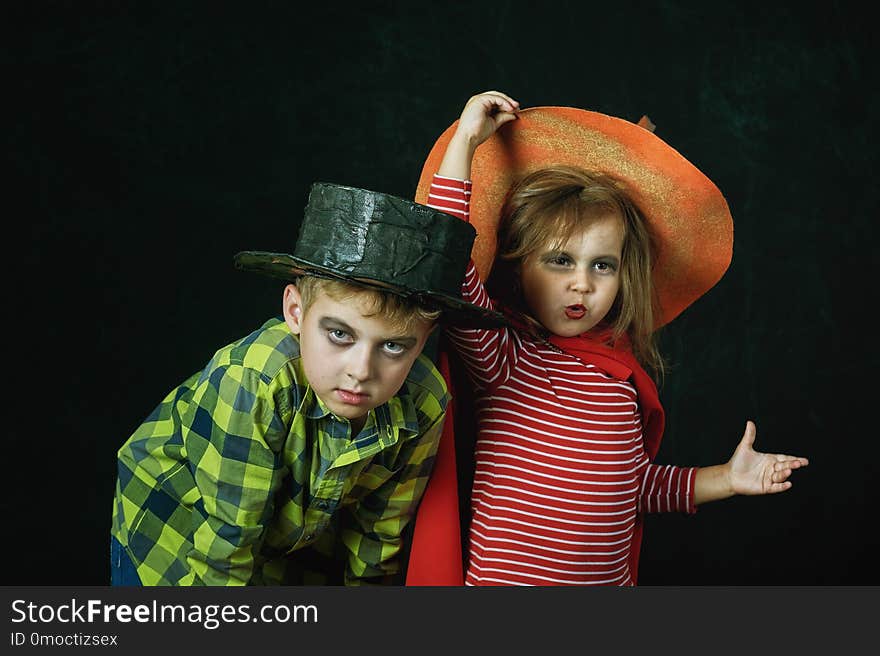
(510, 102)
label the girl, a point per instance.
(568, 419)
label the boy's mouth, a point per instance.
(575, 311)
(351, 398)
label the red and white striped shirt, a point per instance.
(561, 468)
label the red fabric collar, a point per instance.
(595, 348)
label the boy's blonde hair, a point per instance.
(400, 313)
(546, 208)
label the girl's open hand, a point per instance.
(752, 472)
(483, 114)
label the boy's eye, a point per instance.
(393, 348)
(338, 336)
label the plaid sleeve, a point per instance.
(374, 537)
(235, 470)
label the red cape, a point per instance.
(436, 552)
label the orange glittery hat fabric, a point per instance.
(688, 214)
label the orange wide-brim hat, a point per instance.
(688, 215)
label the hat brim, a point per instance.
(688, 215)
(455, 311)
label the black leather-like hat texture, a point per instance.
(381, 242)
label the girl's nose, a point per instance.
(581, 281)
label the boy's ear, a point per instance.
(291, 306)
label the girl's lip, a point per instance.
(575, 311)
(351, 398)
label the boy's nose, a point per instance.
(360, 365)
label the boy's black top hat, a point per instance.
(381, 242)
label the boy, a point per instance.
(312, 438)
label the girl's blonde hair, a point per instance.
(397, 311)
(549, 206)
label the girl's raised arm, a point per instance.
(488, 354)
(481, 117)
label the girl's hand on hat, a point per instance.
(752, 472)
(481, 117)
(483, 114)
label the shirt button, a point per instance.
(310, 537)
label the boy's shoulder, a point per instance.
(267, 350)
(425, 379)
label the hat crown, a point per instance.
(362, 234)
(384, 243)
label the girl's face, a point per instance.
(570, 287)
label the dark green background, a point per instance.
(149, 142)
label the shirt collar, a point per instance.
(312, 406)
(399, 412)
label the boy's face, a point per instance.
(354, 362)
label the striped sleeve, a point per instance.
(450, 195)
(489, 355)
(667, 488)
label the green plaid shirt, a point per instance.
(242, 476)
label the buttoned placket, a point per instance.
(330, 487)
(378, 433)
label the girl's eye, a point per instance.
(338, 336)
(561, 260)
(393, 348)
(604, 267)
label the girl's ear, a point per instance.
(291, 306)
